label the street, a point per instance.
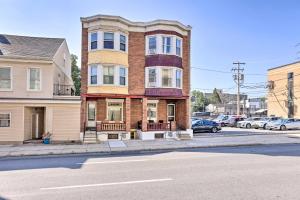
(249, 172)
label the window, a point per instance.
(91, 112)
(93, 75)
(166, 45)
(4, 119)
(122, 43)
(94, 40)
(108, 75)
(178, 78)
(167, 77)
(171, 112)
(34, 79)
(114, 111)
(108, 40)
(152, 112)
(152, 45)
(122, 76)
(5, 78)
(152, 78)
(178, 47)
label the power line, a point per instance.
(224, 72)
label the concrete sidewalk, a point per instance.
(141, 146)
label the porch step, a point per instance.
(90, 137)
(38, 141)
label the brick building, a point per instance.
(135, 75)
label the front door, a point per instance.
(35, 126)
(91, 114)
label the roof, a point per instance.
(31, 48)
(138, 24)
(284, 65)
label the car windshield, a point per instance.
(220, 117)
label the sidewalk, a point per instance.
(141, 146)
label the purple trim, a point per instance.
(163, 60)
(163, 92)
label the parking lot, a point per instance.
(232, 131)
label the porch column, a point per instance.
(144, 117)
(128, 113)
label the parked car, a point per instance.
(247, 123)
(227, 120)
(263, 122)
(284, 124)
(205, 126)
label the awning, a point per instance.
(261, 111)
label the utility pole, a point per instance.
(238, 77)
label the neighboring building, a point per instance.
(284, 94)
(36, 90)
(135, 75)
(255, 106)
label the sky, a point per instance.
(263, 34)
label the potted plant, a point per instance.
(46, 138)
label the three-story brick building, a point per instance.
(135, 75)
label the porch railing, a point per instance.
(105, 126)
(158, 126)
(63, 90)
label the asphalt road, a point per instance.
(255, 172)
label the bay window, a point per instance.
(122, 73)
(122, 43)
(34, 79)
(108, 74)
(4, 120)
(93, 74)
(94, 41)
(178, 47)
(5, 78)
(167, 75)
(114, 111)
(166, 44)
(108, 42)
(152, 45)
(178, 78)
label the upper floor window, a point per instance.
(34, 79)
(93, 74)
(5, 78)
(94, 40)
(178, 47)
(122, 73)
(108, 74)
(122, 42)
(166, 44)
(178, 78)
(152, 78)
(4, 119)
(152, 45)
(167, 75)
(108, 41)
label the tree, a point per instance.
(215, 98)
(199, 101)
(75, 74)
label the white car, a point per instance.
(247, 123)
(263, 122)
(284, 124)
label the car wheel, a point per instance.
(265, 126)
(214, 130)
(282, 127)
(248, 126)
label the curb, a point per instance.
(139, 151)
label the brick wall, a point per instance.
(186, 65)
(136, 60)
(136, 112)
(162, 110)
(101, 109)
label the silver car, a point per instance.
(247, 123)
(263, 122)
(284, 124)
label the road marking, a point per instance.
(107, 184)
(112, 161)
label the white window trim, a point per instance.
(114, 75)
(178, 38)
(10, 121)
(11, 80)
(181, 82)
(126, 43)
(168, 111)
(115, 40)
(90, 40)
(115, 101)
(171, 44)
(28, 79)
(89, 75)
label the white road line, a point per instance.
(112, 161)
(107, 184)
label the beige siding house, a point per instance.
(36, 90)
